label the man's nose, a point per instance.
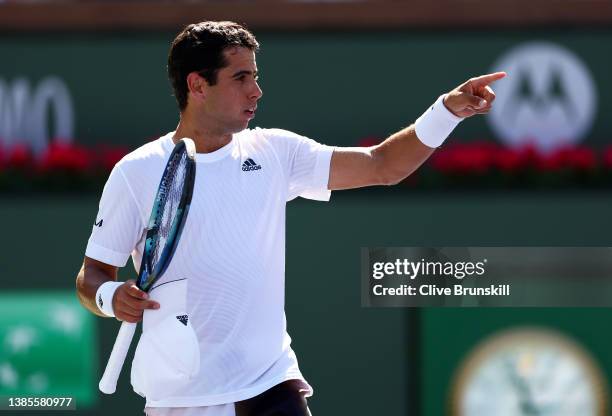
(257, 92)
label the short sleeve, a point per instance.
(118, 225)
(306, 163)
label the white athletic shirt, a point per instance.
(232, 252)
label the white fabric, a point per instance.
(104, 297)
(219, 410)
(232, 252)
(436, 124)
(167, 357)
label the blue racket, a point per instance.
(166, 223)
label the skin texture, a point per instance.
(214, 113)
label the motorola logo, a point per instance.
(548, 100)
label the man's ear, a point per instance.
(196, 85)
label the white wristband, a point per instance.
(436, 124)
(104, 297)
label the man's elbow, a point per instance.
(80, 286)
(388, 176)
(384, 173)
(393, 181)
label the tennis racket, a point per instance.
(163, 232)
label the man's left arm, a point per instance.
(403, 152)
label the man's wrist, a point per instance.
(436, 124)
(104, 297)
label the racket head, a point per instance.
(168, 214)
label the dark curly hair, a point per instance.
(199, 47)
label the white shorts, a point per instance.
(286, 398)
(220, 410)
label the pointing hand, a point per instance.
(473, 97)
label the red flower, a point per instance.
(553, 161)
(511, 160)
(476, 157)
(107, 157)
(65, 156)
(578, 158)
(582, 158)
(482, 158)
(19, 157)
(607, 157)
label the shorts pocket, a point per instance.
(167, 358)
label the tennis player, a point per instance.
(227, 274)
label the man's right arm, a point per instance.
(129, 302)
(403, 152)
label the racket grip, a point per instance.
(108, 382)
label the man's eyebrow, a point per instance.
(244, 72)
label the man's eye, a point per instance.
(241, 78)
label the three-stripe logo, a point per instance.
(250, 164)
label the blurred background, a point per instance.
(84, 82)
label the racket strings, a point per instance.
(174, 191)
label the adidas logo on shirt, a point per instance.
(183, 319)
(250, 164)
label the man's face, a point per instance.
(231, 103)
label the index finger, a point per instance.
(135, 292)
(487, 79)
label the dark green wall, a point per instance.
(334, 87)
(359, 360)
